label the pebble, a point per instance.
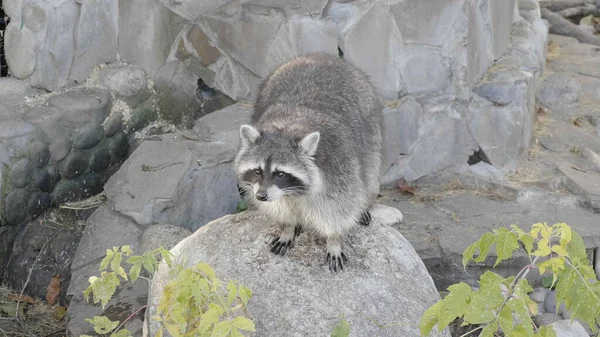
(21, 173)
(119, 145)
(81, 187)
(39, 153)
(113, 124)
(75, 164)
(47, 178)
(38, 203)
(59, 149)
(559, 89)
(15, 206)
(88, 136)
(100, 159)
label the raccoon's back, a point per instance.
(321, 82)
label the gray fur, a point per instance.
(321, 94)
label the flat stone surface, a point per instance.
(584, 183)
(104, 229)
(303, 287)
(148, 180)
(13, 91)
(402, 128)
(441, 229)
(82, 105)
(95, 37)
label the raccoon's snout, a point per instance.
(261, 195)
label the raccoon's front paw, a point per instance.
(336, 261)
(280, 245)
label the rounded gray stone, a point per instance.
(100, 159)
(83, 105)
(163, 235)
(15, 128)
(119, 145)
(384, 277)
(39, 153)
(559, 89)
(59, 149)
(539, 294)
(425, 70)
(125, 80)
(74, 165)
(19, 45)
(499, 93)
(113, 124)
(81, 187)
(21, 172)
(15, 206)
(88, 136)
(47, 178)
(546, 319)
(38, 203)
(34, 17)
(11, 88)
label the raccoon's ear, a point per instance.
(310, 142)
(248, 134)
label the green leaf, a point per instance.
(546, 331)
(235, 332)
(166, 255)
(342, 329)
(126, 250)
(106, 260)
(102, 324)
(506, 243)
(243, 323)
(222, 329)
(159, 333)
(245, 294)
(231, 292)
(525, 238)
(147, 263)
(505, 319)
(454, 304)
(576, 249)
(134, 272)
(103, 288)
(122, 333)
(489, 330)
(485, 302)
(429, 318)
(210, 317)
(520, 309)
(206, 270)
(486, 241)
(241, 206)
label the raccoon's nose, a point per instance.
(262, 196)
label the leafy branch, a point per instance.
(504, 302)
(193, 303)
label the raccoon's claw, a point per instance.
(365, 218)
(280, 246)
(336, 261)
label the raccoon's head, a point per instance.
(272, 165)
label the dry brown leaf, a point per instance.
(53, 290)
(404, 188)
(24, 298)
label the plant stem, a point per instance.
(471, 331)
(582, 278)
(130, 317)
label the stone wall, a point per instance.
(459, 76)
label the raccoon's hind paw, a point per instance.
(336, 261)
(279, 245)
(365, 218)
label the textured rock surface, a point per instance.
(166, 236)
(383, 277)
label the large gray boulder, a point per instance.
(384, 281)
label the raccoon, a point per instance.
(311, 157)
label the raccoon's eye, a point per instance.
(257, 171)
(281, 174)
